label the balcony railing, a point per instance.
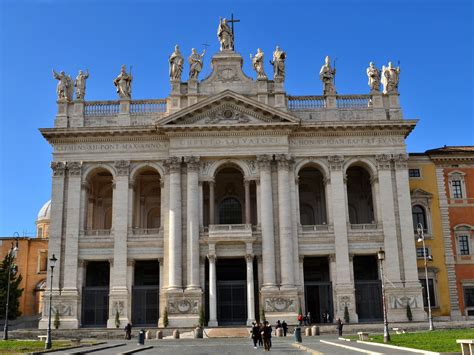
(147, 107)
(353, 101)
(145, 231)
(96, 232)
(101, 108)
(314, 228)
(229, 227)
(364, 226)
(301, 103)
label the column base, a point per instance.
(345, 297)
(397, 300)
(118, 302)
(212, 323)
(66, 305)
(183, 307)
(280, 304)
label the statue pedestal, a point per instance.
(77, 119)
(124, 115)
(61, 120)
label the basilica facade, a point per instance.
(233, 198)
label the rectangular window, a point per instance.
(419, 253)
(469, 296)
(457, 190)
(414, 173)
(432, 293)
(42, 261)
(463, 241)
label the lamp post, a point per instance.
(386, 334)
(52, 263)
(421, 238)
(12, 254)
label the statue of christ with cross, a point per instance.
(226, 33)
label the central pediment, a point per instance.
(228, 108)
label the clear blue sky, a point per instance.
(432, 39)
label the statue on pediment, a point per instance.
(176, 64)
(390, 78)
(225, 35)
(195, 63)
(65, 87)
(374, 77)
(123, 83)
(278, 63)
(80, 84)
(327, 75)
(257, 63)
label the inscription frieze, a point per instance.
(226, 141)
(348, 141)
(110, 147)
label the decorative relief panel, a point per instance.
(118, 306)
(335, 162)
(122, 167)
(383, 161)
(58, 168)
(280, 304)
(64, 309)
(183, 306)
(74, 168)
(397, 302)
(226, 115)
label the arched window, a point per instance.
(230, 211)
(419, 216)
(307, 215)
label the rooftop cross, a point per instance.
(232, 20)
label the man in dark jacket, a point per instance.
(285, 328)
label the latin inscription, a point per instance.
(109, 147)
(225, 142)
(346, 141)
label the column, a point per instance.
(248, 219)
(162, 203)
(131, 186)
(212, 291)
(175, 224)
(201, 205)
(257, 191)
(211, 201)
(294, 225)
(130, 281)
(84, 206)
(192, 222)
(119, 289)
(297, 196)
(284, 221)
(266, 213)
(160, 263)
(386, 198)
(73, 217)
(250, 290)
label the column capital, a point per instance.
(336, 162)
(264, 161)
(58, 168)
(172, 164)
(212, 258)
(284, 160)
(131, 184)
(383, 161)
(74, 168)
(130, 262)
(332, 257)
(249, 258)
(111, 261)
(122, 167)
(401, 161)
(81, 263)
(192, 162)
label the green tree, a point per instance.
(409, 314)
(262, 315)
(346, 314)
(15, 290)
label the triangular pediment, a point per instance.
(420, 193)
(228, 108)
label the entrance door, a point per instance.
(145, 293)
(95, 294)
(231, 302)
(368, 300)
(318, 297)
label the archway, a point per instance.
(312, 196)
(99, 200)
(359, 196)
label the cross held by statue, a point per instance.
(232, 20)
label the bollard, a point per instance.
(198, 333)
(159, 334)
(279, 332)
(147, 335)
(307, 332)
(298, 334)
(141, 337)
(315, 330)
(176, 334)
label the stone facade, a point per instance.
(213, 147)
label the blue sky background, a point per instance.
(431, 38)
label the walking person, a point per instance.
(128, 331)
(277, 326)
(255, 334)
(285, 328)
(266, 334)
(308, 317)
(260, 338)
(339, 326)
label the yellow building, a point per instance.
(426, 210)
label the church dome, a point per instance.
(44, 212)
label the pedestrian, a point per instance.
(300, 319)
(260, 338)
(339, 326)
(128, 331)
(308, 317)
(277, 326)
(285, 328)
(255, 334)
(267, 335)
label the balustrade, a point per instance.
(147, 107)
(101, 108)
(300, 103)
(353, 101)
(96, 232)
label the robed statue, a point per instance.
(65, 87)
(327, 75)
(123, 83)
(278, 63)
(225, 35)
(373, 75)
(257, 63)
(80, 84)
(195, 63)
(390, 78)
(176, 64)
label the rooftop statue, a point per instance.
(225, 35)
(327, 75)
(278, 63)
(195, 63)
(123, 83)
(65, 87)
(390, 78)
(176, 64)
(80, 84)
(257, 63)
(374, 77)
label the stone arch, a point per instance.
(141, 166)
(146, 178)
(223, 163)
(318, 164)
(90, 170)
(361, 195)
(365, 163)
(99, 180)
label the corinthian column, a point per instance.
(247, 201)
(211, 201)
(193, 222)
(212, 291)
(250, 290)
(174, 282)
(266, 212)
(284, 221)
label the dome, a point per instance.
(45, 212)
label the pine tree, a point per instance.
(15, 290)
(57, 320)
(262, 315)
(409, 314)
(346, 314)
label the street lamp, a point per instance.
(426, 258)
(386, 335)
(52, 264)
(12, 254)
